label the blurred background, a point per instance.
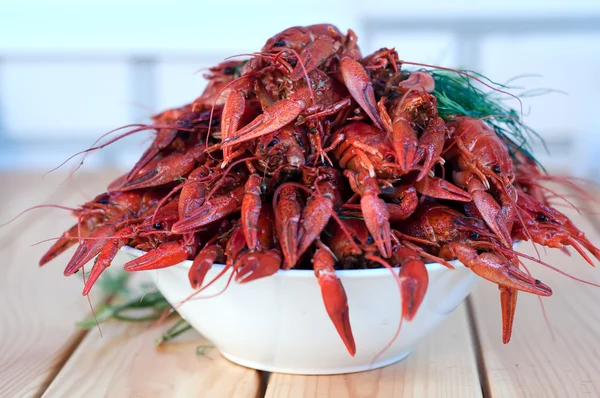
(72, 70)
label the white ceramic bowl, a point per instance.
(279, 323)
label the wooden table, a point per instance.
(42, 353)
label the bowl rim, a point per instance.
(307, 273)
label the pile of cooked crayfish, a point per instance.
(310, 156)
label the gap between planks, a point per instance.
(126, 362)
(40, 306)
(443, 364)
(479, 359)
(535, 363)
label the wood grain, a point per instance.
(534, 363)
(442, 365)
(39, 306)
(126, 363)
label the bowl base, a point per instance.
(312, 371)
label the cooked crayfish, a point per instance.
(308, 155)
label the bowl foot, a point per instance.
(312, 371)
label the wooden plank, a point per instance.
(126, 362)
(39, 306)
(442, 365)
(534, 363)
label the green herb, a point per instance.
(349, 217)
(148, 307)
(180, 327)
(200, 350)
(457, 95)
(238, 69)
(114, 283)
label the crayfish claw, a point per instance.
(287, 217)
(106, 256)
(67, 239)
(311, 56)
(508, 302)
(377, 219)
(360, 87)
(90, 248)
(165, 255)
(212, 210)
(272, 119)
(438, 188)
(162, 140)
(254, 265)
(203, 263)
(315, 217)
(491, 267)
(334, 296)
(414, 280)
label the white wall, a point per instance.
(72, 70)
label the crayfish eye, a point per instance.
(370, 240)
(496, 169)
(185, 124)
(103, 201)
(272, 143)
(293, 62)
(263, 187)
(474, 235)
(158, 225)
(542, 217)
(280, 43)
(229, 70)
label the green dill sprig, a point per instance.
(148, 307)
(201, 350)
(178, 328)
(457, 96)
